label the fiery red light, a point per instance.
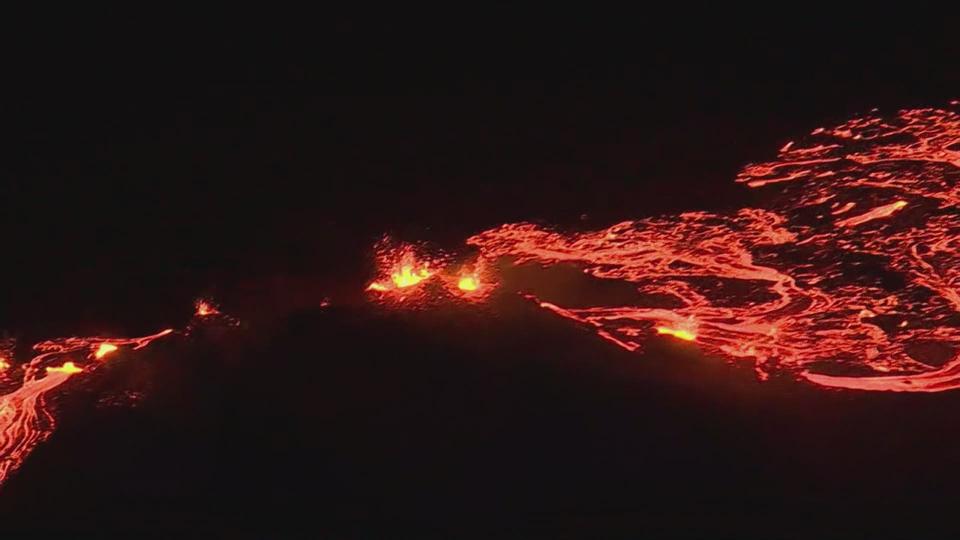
(869, 302)
(68, 368)
(473, 281)
(413, 277)
(25, 417)
(104, 349)
(685, 335)
(205, 308)
(404, 271)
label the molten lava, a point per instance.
(473, 281)
(68, 368)
(104, 349)
(404, 271)
(408, 277)
(205, 308)
(884, 211)
(679, 334)
(417, 278)
(26, 419)
(869, 302)
(468, 284)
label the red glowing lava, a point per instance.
(205, 308)
(404, 270)
(870, 301)
(25, 417)
(685, 335)
(104, 349)
(414, 277)
(68, 368)
(473, 281)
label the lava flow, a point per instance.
(849, 277)
(26, 419)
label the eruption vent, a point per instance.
(412, 277)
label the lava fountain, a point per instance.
(413, 277)
(405, 270)
(473, 282)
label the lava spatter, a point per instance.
(846, 278)
(473, 281)
(205, 308)
(413, 276)
(404, 271)
(207, 312)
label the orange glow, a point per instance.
(468, 283)
(469, 280)
(790, 286)
(26, 419)
(4, 365)
(104, 349)
(403, 272)
(679, 334)
(474, 282)
(205, 309)
(408, 277)
(68, 368)
(412, 277)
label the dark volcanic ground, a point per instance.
(121, 203)
(467, 423)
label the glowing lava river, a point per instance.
(25, 416)
(849, 277)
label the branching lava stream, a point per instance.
(25, 417)
(849, 277)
